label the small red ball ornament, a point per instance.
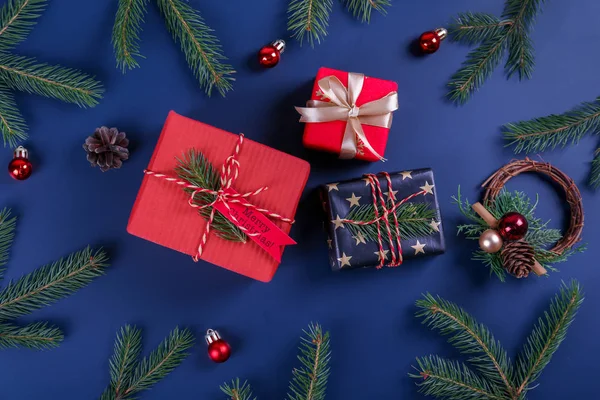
(218, 349)
(270, 55)
(430, 41)
(513, 226)
(20, 167)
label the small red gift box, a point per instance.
(349, 114)
(163, 214)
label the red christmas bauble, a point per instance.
(430, 41)
(270, 55)
(20, 167)
(513, 226)
(218, 350)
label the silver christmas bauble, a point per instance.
(490, 241)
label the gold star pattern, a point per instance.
(333, 186)
(354, 200)
(382, 255)
(329, 243)
(391, 195)
(435, 225)
(359, 238)
(419, 248)
(344, 260)
(427, 188)
(367, 180)
(406, 175)
(338, 222)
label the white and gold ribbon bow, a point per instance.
(342, 107)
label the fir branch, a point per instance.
(413, 219)
(547, 335)
(12, 124)
(468, 336)
(7, 234)
(554, 130)
(362, 9)
(521, 59)
(474, 28)
(476, 69)
(37, 336)
(17, 19)
(309, 19)
(66, 84)
(235, 391)
(126, 31)
(128, 347)
(522, 12)
(161, 362)
(198, 171)
(453, 380)
(595, 174)
(309, 382)
(51, 283)
(200, 46)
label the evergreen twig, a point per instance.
(413, 219)
(309, 19)
(495, 35)
(237, 391)
(362, 9)
(499, 380)
(130, 376)
(126, 31)
(37, 336)
(595, 174)
(17, 19)
(200, 46)
(7, 234)
(198, 171)
(12, 124)
(556, 130)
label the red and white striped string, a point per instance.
(392, 231)
(229, 173)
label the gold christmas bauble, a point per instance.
(490, 241)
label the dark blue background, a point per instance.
(66, 204)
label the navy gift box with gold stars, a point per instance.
(381, 220)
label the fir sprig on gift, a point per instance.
(40, 288)
(309, 19)
(129, 375)
(558, 130)
(494, 376)
(414, 220)
(194, 168)
(17, 19)
(309, 382)
(198, 42)
(494, 36)
(539, 236)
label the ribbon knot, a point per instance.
(342, 107)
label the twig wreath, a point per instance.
(511, 239)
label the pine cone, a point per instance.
(518, 258)
(107, 148)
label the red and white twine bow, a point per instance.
(382, 213)
(225, 194)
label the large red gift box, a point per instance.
(161, 212)
(327, 136)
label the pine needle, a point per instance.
(468, 336)
(12, 124)
(126, 31)
(362, 9)
(51, 283)
(310, 380)
(201, 47)
(128, 348)
(235, 391)
(7, 234)
(309, 19)
(474, 28)
(595, 174)
(547, 335)
(66, 84)
(17, 19)
(37, 336)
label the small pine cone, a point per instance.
(107, 148)
(518, 258)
